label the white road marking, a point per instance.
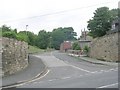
(28, 81)
(52, 80)
(101, 70)
(80, 68)
(87, 70)
(95, 72)
(40, 77)
(108, 85)
(112, 69)
(65, 77)
(73, 65)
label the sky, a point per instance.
(50, 14)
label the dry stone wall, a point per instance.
(105, 48)
(14, 56)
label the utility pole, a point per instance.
(26, 29)
(50, 43)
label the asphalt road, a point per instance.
(69, 72)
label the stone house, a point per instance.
(85, 40)
(114, 27)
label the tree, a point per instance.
(22, 35)
(62, 34)
(115, 13)
(69, 33)
(43, 39)
(9, 35)
(8, 32)
(31, 38)
(15, 30)
(57, 38)
(101, 22)
(5, 29)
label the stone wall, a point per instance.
(14, 56)
(105, 48)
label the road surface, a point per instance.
(70, 72)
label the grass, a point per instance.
(34, 49)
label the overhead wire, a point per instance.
(59, 12)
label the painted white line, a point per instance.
(95, 72)
(65, 77)
(80, 68)
(52, 80)
(74, 66)
(40, 77)
(35, 79)
(112, 69)
(108, 85)
(29, 81)
(101, 70)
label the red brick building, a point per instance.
(65, 46)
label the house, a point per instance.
(65, 46)
(84, 43)
(85, 40)
(115, 27)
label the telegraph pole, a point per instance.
(26, 29)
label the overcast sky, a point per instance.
(50, 14)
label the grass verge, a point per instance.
(34, 49)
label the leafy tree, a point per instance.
(69, 33)
(57, 38)
(9, 35)
(31, 38)
(15, 30)
(5, 29)
(76, 46)
(22, 35)
(62, 34)
(101, 22)
(8, 32)
(114, 14)
(43, 39)
(50, 39)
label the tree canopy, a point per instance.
(101, 22)
(62, 34)
(44, 39)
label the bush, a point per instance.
(86, 48)
(76, 46)
(22, 37)
(9, 35)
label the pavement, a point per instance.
(93, 60)
(35, 68)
